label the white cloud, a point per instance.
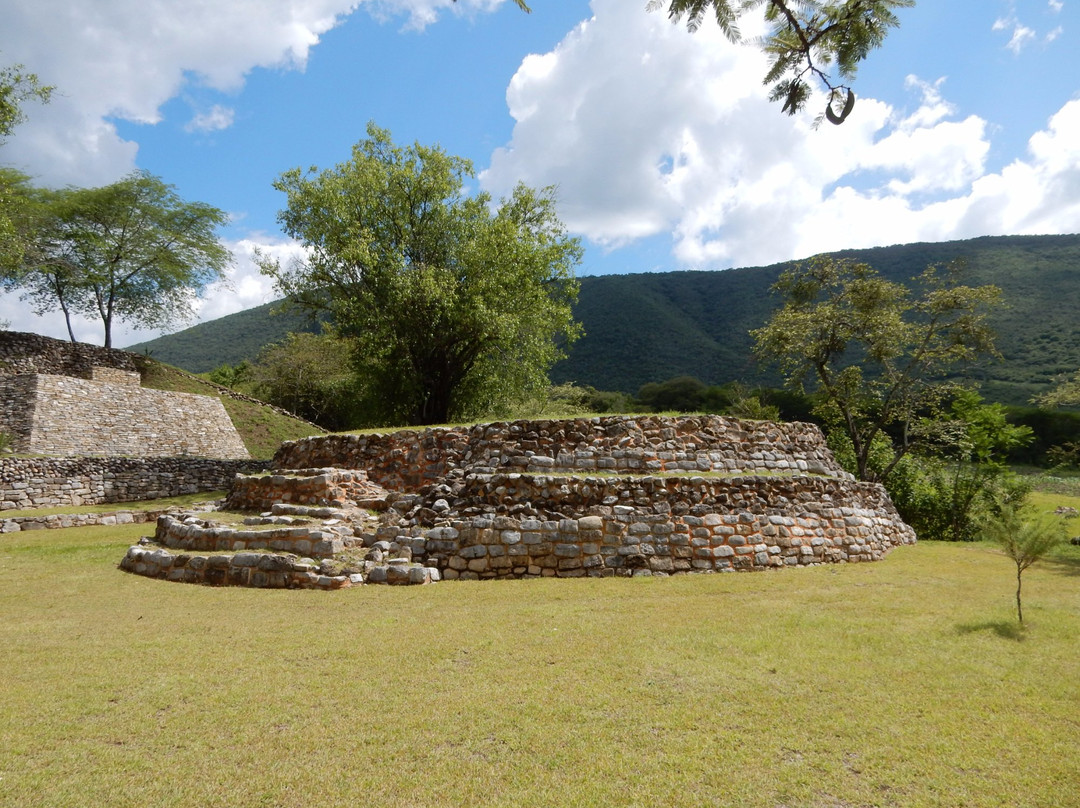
(1056, 5)
(1021, 34)
(124, 59)
(213, 120)
(244, 288)
(647, 130)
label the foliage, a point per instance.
(1053, 432)
(1025, 538)
(568, 400)
(1065, 394)
(823, 41)
(16, 207)
(308, 374)
(231, 376)
(133, 251)
(877, 358)
(648, 327)
(16, 88)
(456, 311)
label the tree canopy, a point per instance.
(16, 88)
(878, 358)
(456, 306)
(133, 251)
(808, 41)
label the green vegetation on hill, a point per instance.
(227, 340)
(652, 327)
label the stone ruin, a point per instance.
(73, 399)
(597, 497)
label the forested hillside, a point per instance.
(651, 327)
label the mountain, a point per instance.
(655, 326)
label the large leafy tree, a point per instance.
(133, 251)
(878, 357)
(456, 307)
(809, 42)
(16, 88)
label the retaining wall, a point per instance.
(327, 486)
(63, 415)
(22, 353)
(305, 541)
(55, 482)
(658, 524)
(409, 460)
(262, 570)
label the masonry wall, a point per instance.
(56, 482)
(408, 460)
(73, 417)
(659, 525)
(22, 353)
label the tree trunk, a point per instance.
(1019, 608)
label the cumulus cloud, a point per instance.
(213, 120)
(645, 129)
(124, 59)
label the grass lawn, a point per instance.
(900, 683)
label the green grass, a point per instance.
(901, 683)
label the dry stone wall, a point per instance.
(407, 460)
(616, 496)
(523, 526)
(73, 417)
(329, 486)
(22, 353)
(56, 482)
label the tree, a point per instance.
(308, 375)
(1065, 394)
(16, 88)
(133, 251)
(457, 309)
(878, 358)
(946, 489)
(808, 39)
(1025, 539)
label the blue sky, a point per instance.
(662, 144)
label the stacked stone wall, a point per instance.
(261, 570)
(409, 460)
(17, 409)
(22, 353)
(57, 482)
(305, 541)
(331, 487)
(57, 521)
(76, 417)
(659, 525)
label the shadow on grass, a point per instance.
(1006, 629)
(1063, 564)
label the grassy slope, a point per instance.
(262, 428)
(901, 683)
